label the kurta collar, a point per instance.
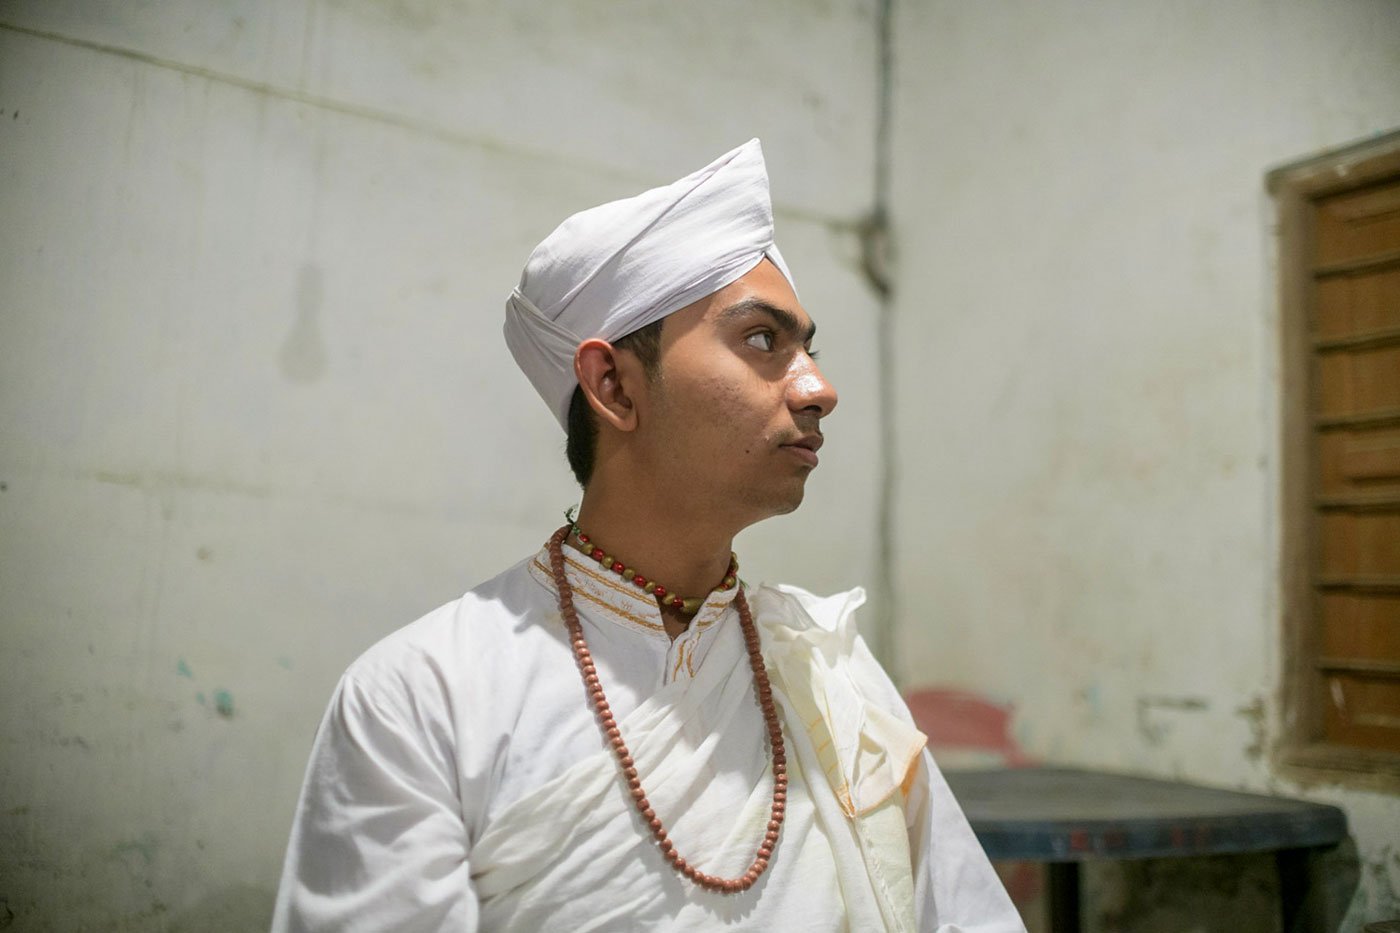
(606, 595)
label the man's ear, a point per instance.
(607, 377)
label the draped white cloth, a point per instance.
(618, 267)
(459, 782)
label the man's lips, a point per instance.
(805, 448)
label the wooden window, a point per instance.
(1339, 227)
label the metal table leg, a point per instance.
(1064, 896)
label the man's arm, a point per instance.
(955, 886)
(379, 841)
(956, 890)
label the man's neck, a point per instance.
(687, 553)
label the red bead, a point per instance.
(617, 566)
(598, 553)
(660, 591)
(678, 602)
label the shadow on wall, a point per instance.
(239, 908)
(1211, 894)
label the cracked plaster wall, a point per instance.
(255, 408)
(1087, 369)
(253, 403)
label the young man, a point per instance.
(618, 733)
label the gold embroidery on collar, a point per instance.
(599, 601)
(717, 599)
(613, 583)
(630, 617)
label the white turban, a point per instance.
(614, 269)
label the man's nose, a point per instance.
(808, 389)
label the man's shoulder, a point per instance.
(797, 608)
(476, 630)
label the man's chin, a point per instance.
(790, 500)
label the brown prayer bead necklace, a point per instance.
(613, 735)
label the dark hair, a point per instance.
(582, 444)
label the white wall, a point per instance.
(255, 408)
(1087, 367)
(255, 411)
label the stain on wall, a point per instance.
(965, 728)
(1254, 714)
(1154, 714)
(302, 357)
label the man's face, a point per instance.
(731, 419)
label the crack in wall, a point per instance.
(444, 134)
(877, 259)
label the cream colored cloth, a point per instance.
(613, 269)
(866, 756)
(459, 781)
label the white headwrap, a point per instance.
(613, 269)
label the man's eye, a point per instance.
(763, 340)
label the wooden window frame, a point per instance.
(1300, 752)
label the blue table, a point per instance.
(1064, 816)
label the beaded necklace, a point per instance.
(685, 605)
(613, 735)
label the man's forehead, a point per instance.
(762, 290)
(755, 295)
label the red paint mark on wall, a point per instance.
(963, 729)
(960, 721)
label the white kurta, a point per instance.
(459, 780)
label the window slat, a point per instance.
(1381, 585)
(1374, 263)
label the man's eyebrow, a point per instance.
(788, 322)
